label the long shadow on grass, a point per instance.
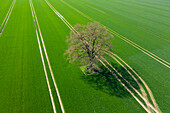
(107, 83)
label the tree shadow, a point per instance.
(107, 83)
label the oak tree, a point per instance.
(87, 41)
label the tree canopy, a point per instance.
(87, 42)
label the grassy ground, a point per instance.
(68, 75)
(22, 82)
(154, 73)
(77, 95)
(4, 7)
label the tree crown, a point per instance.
(89, 41)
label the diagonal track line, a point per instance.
(7, 17)
(72, 28)
(141, 88)
(143, 82)
(140, 48)
(147, 87)
(124, 85)
(147, 52)
(130, 23)
(130, 85)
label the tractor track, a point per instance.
(39, 37)
(72, 28)
(7, 17)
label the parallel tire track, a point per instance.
(147, 87)
(72, 28)
(147, 52)
(140, 48)
(143, 82)
(140, 86)
(130, 23)
(133, 95)
(49, 65)
(42, 58)
(7, 17)
(147, 102)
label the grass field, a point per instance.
(141, 39)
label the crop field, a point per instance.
(36, 77)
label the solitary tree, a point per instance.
(87, 42)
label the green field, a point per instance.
(23, 85)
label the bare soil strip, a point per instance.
(49, 65)
(7, 17)
(147, 52)
(145, 96)
(45, 71)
